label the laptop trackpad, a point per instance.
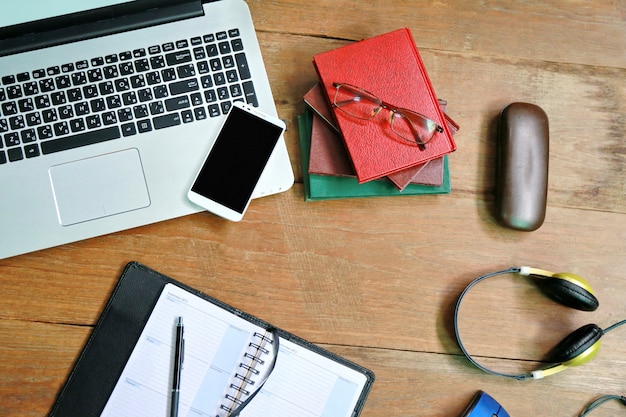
(98, 187)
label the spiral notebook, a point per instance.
(229, 356)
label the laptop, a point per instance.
(107, 108)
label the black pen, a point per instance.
(179, 356)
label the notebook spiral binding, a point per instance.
(247, 379)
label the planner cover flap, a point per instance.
(95, 379)
(390, 67)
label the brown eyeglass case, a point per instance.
(522, 166)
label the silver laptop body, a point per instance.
(106, 132)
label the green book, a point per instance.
(325, 187)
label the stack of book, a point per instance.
(348, 144)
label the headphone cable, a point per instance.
(599, 401)
(614, 326)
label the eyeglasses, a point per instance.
(414, 128)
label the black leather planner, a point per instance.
(130, 335)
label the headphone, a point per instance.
(578, 347)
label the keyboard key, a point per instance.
(224, 47)
(111, 59)
(177, 103)
(179, 57)
(90, 91)
(153, 78)
(106, 88)
(33, 119)
(199, 113)
(15, 154)
(111, 72)
(26, 105)
(212, 50)
(40, 73)
(46, 85)
(167, 120)
(141, 111)
(233, 33)
(156, 49)
(23, 76)
(17, 122)
(182, 44)
(157, 108)
(61, 128)
(44, 132)
(187, 116)
(128, 129)
(144, 126)
(157, 62)
(43, 101)
(160, 91)
(125, 56)
(125, 115)
(186, 71)
(31, 88)
(95, 75)
(109, 118)
(93, 121)
(58, 97)
(77, 125)
(81, 108)
(183, 87)
(9, 108)
(66, 112)
(53, 70)
(126, 68)
(3, 157)
(145, 94)
(74, 95)
(65, 68)
(114, 102)
(8, 79)
(12, 139)
(63, 81)
(31, 150)
(14, 91)
(28, 135)
(237, 45)
(242, 65)
(4, 127)
(96, 62)
(81, 65)
(79, 78)
(142, 65)
(97, 105)
(248, 90)
(138, 53)
(49, 115)
(82, 139)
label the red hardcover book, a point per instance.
(390, 67)
(329, 156)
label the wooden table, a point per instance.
(376, 279)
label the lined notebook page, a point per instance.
(302, 384)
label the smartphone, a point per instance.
(231, 171)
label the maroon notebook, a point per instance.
(396, 75)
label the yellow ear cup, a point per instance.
(565, 288)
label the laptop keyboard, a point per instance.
(121, 95)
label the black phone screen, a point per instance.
(237, 159)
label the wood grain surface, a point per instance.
(376, 280)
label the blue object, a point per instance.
(483, 405)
